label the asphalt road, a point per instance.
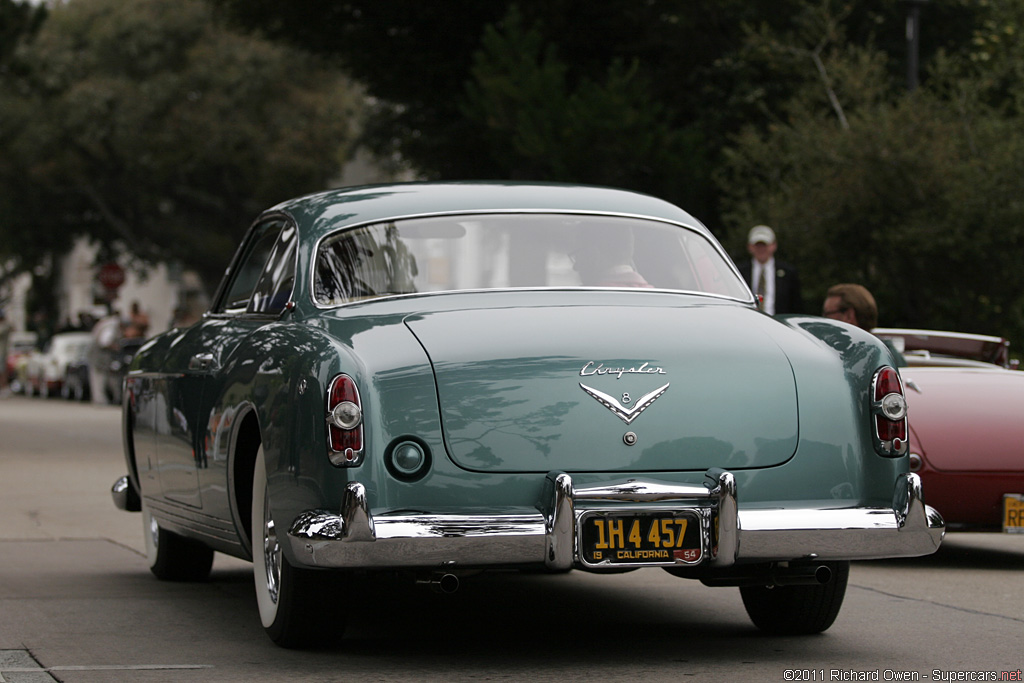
(78, 604)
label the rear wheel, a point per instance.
(797, 610)
(171, 556)
(296, 605)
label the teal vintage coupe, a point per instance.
(436, 379)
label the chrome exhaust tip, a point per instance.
(786, 575)
(820, 574)
(441, 583)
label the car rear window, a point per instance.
(513, 251)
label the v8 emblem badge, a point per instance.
(625, 414)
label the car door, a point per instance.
(256, 289)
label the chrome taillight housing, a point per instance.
(344, 422)
(889, 413)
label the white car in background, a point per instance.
(46, 370)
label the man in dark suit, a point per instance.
(776, 283)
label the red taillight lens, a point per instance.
(344, 422)
(887, 382)
(889, 413)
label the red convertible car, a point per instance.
(964, 398)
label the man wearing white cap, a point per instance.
(777, 284)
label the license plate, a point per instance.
(645, 538)
(1013, 513)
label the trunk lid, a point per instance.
(558, 388)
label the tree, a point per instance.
(653, 89)
(451, 81)
(18, 22)
(151, 128)
(798, 109)
(915, 196)
(534, 123)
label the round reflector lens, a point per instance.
(894, 407)
(346, 415)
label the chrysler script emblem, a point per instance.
(592, 368)
(625, 414)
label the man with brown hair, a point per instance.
(852, 304)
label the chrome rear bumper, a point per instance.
(353, 538)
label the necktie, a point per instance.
(762, 287)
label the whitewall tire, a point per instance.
(173, 557)
(296, 605)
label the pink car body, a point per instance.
(966, 413)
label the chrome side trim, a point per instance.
(546, 535)
(218, 533)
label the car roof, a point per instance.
(323, 212)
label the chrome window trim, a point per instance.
(448, 292)
(908, 331)
(243, 314)
(311, 279)
(240, 251)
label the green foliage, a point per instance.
(144, 120)
(918, 197)
(536, 123)
(641, 93)
(18, 21)
(990, 69)
(149, 127)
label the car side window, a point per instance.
(248, 269)
(274, 288)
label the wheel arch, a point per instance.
(247, 440)
(128, 446)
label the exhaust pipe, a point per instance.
(800, 575)
(441, 582)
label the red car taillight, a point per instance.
(889, 413)
(344, 422)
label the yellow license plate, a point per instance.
(650, 538)
(1013, 513)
